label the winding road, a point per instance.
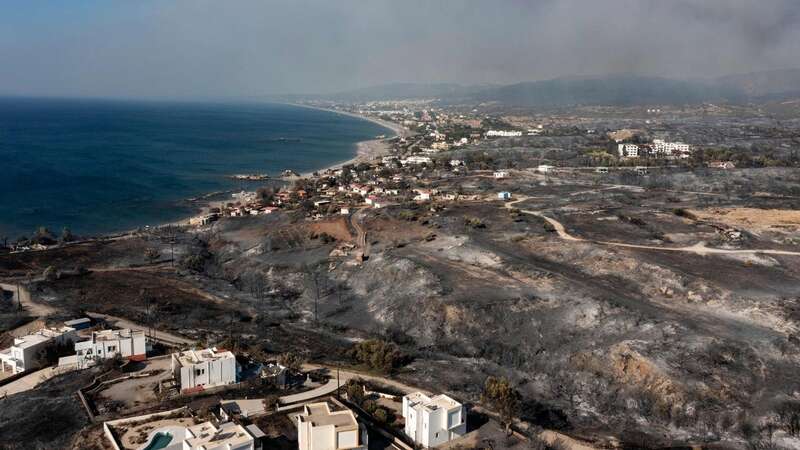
(699, 248)
(361, 233)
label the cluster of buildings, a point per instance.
(428, 422)
(658, 148)
(193, 370)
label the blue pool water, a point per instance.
(99, 166)
(159, 441)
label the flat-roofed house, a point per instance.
(107, 344)
(432, 421)
(26, 353)
(319, 428)
(196, 370)
(226, 436)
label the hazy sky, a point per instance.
(232, 48)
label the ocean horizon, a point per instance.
(105, 166)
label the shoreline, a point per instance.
(365, 151)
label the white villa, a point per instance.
(504, 195)
(628, 150)
(319, 428)
(672, 148)
(196, 370)
(107, 344)
(423, 195)
(433, 421)
(502, 133)
(500, 174)
(544, 168)
(25, 354)
(416, 160)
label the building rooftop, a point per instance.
(81, 321)
(40, 336)
(420, 400)
(228, 434)
(320, 415)
(191, 357)
(30, 340)
(113, 335)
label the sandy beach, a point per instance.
(365, 150)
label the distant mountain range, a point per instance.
(605, 90)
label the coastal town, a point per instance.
(476, 279)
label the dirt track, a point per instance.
(698, 248)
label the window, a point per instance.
(111, 348)
(198, 372)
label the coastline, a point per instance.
(365, 151)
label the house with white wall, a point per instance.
(432, 421)
(196, 370)
(503, 133)
(416, 160)
(26, 353)
(544, 168)
(663, 147)
(320, 428)
(628, 150)
(107, 344)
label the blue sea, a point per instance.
(97, 166)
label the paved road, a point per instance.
(699, 248)
(321, 391)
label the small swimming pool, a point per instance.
(159, 440)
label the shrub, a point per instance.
(378, 355)
(291, 361)
(502, 397)
(474, 222)
(680, 212)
